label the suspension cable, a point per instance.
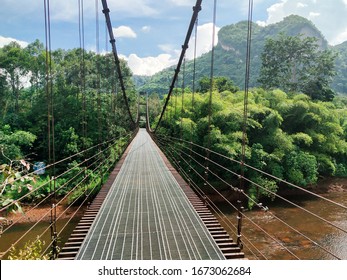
(195, 55)
(49, 84)
(194, 78)
(266, 209)
(183, 88)
(87, 196)
(245, 115)
(65, 173)
(54, 164)
(210, 203)
(98, 69)
(81, 35)
(50, 119)
(196, 10)
(262, 172)
(211, 79)
(243, 215)
(268, 191)
(219, 212)
(106, 12)
(102, 163)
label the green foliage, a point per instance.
(76, 100)
(295, 63)
(288, 135)
(340, 81)
(31, 251)
(301, 168)
(341, 170)
(268, 189)
(88, 110)
(13, 145)
(91, 188)
(15, 182)
(218, 83)
(302, 139)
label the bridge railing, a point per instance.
(217, 174)
(58, 194)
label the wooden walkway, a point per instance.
(146, 214)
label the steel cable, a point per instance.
(196, 10)
(256, 225)
(177, 140)
(106, 12)
(64, 173)
(276, 217)
(48, 212)
(65, 159)
(78, 208)
(219, 212)
(278, 196)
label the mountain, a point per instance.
(230, 54)
(340, 81)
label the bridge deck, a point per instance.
(146, 215)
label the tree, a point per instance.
(37, 64)
(301, 168)
(296, 64)
(14, 64)
(219, 83)
(14, 145)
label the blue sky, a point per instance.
(150, 33)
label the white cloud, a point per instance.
(183, 2)
(146, 29)
(330, 18)
(261, 23)
(67, 10)
(6, 40)
(313, 15)
(148, 66)
(301, 5)
(124, 32)
(204, 40)
(341, 37)
(133, 7)
(170, 49)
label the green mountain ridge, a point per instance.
(230, 53)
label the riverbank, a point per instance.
(329, 185)
(43, 213)
(323, 186)
(326, 185)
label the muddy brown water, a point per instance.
(329, 237)
(332, 239)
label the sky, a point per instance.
(149, 33)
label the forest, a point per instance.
(47, 118)
(288, 135)
(296, 126)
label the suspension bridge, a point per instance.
(151, 206)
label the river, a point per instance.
(13, 234)
(329, 237)
(332, 239)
